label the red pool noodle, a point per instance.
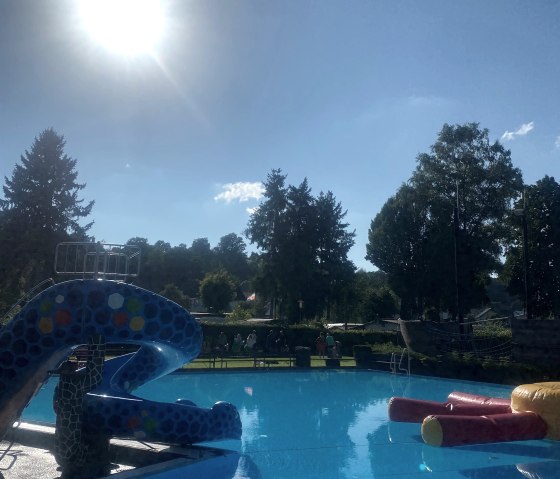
(415, 410)
(462, 430)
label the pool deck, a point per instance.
(30, 456)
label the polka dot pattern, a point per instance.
(68, 314)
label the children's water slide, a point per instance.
(66, 315)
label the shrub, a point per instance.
(241, 312)
(296, 335)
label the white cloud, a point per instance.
(241, 191)
(557, 142)
(521, 131)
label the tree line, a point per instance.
(452, 229)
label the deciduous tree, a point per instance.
(540, 208)
(414, 237)
(217, 290)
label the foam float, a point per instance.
(532, 412)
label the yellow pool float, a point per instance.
(542, 399)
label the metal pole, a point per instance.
(528, 308)
(456, 241)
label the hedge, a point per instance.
(296, 335)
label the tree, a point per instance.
(397, 246)
(333, 245)
(304, 246)
(203, 260)
(370, 298)
(153, 274)
(267, 229)
(540, 209)
(378, 304)
(41, 207)
(443, 234)
(182, 270)
(230, 255)
(172, 292)
(217, 290)
(298, 254)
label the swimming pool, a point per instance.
(333, 424)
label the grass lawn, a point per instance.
(276, 362)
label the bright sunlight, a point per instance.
(128, 27)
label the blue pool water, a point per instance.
(333, 424)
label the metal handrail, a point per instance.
(25, 298)
(396, 368)
(98, 260)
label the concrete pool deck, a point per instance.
(30, 456)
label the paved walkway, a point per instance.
(30, 457)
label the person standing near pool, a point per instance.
(237, 345)
(330, 344)
(281, 343)
(270, 344)
(320, 344)
(251, 341)
(222, 343)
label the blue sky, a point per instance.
(345, 93)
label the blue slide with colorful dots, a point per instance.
(47, 330)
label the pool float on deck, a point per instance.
(533, 412)
(47, 330)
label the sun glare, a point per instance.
(128, 27)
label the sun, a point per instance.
(127, 27)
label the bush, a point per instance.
(240, 312)
(297, 335)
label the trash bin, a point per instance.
(332, 363)
(302, 357)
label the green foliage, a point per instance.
(231, 257)
(41, 208)
(368, 298)
(502, 302)
(414, 236)
(502, 370)
(241, 312)
(296, 335)
(217, 290)
(386, 348)
(172, 292)
(540, 209)
(304, 243)
(493, 329)
(187, 266)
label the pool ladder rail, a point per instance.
(399, 367)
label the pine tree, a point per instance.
(40, 208)
(304, 244)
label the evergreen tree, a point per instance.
(41, 207)
(333, 245)
(267, 229)
(304, 246)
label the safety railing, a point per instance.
(25, 298)
(399, 367)
(97, 260)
